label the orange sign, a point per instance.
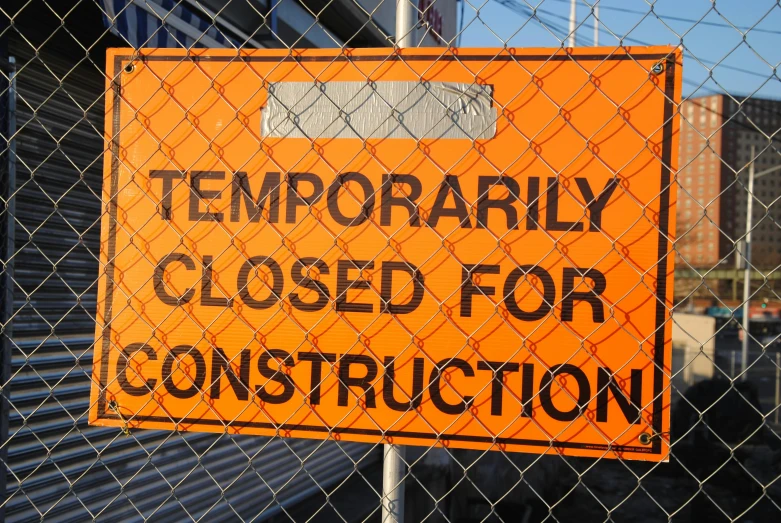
(468, 248)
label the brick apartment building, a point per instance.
(716, 138)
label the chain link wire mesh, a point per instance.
(725, 454)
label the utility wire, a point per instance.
(681, 19)
(686, 53)
(522, 10)
(746, 101)
(525, 11)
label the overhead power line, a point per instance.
(526, 11)
(514, 6)
(681, 19)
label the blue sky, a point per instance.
(739, 67)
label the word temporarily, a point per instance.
(358, 377)
(450, 201)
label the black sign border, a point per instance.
(662, 313)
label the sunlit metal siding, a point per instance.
(59, 465)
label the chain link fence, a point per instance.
(723, 452)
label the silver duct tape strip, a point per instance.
(430, 110)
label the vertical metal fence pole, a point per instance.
(573, 18)
(747, 269)
(6, 282)
(393, 472)
(406, 23)
(393, 465)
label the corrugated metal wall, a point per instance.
(58, 465)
